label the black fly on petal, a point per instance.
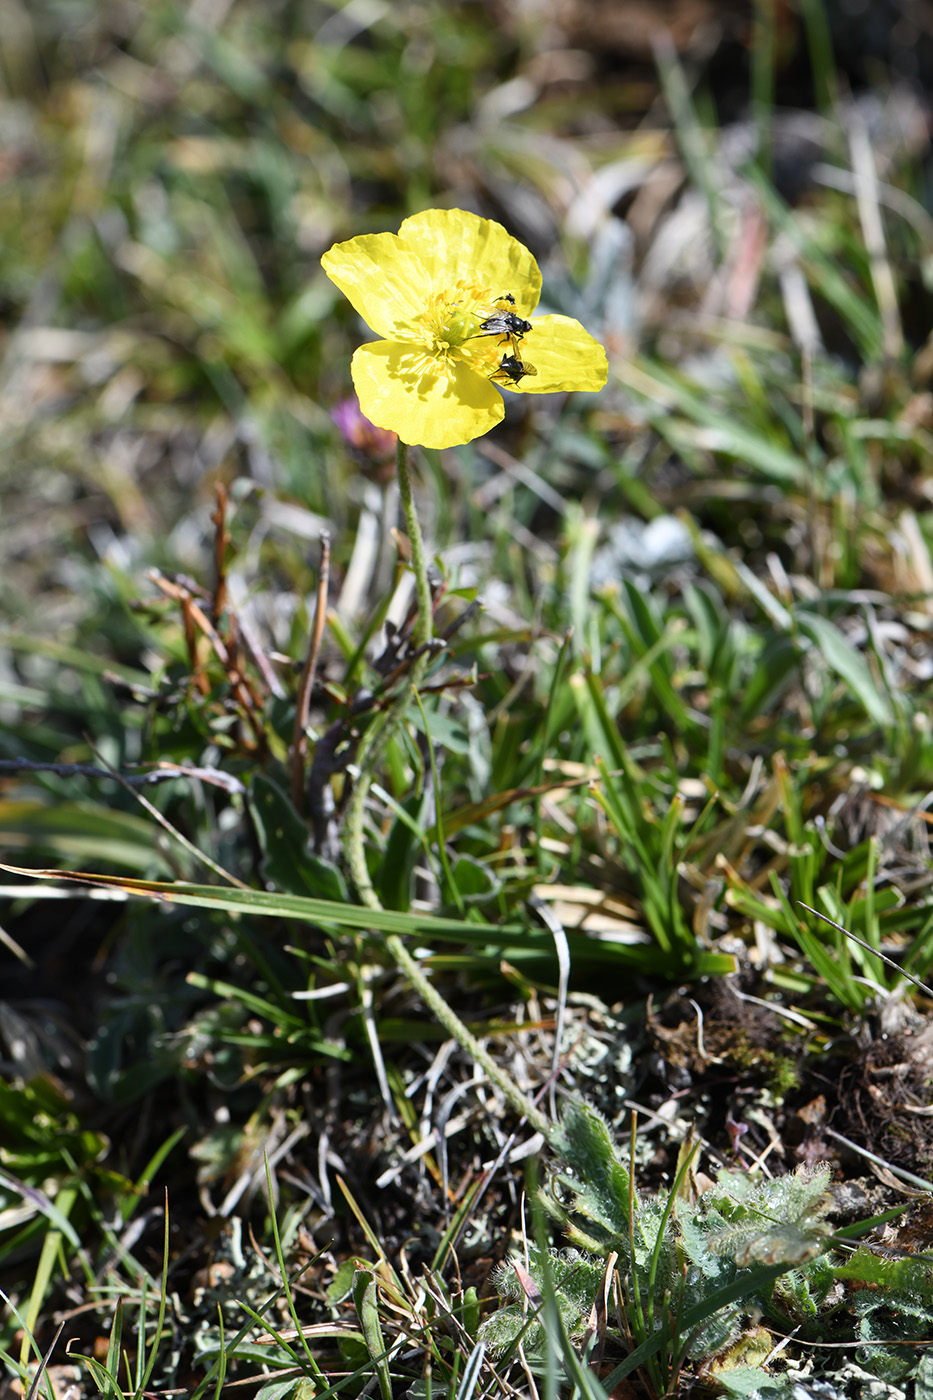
(513, 368)
(505, 320)
(505, 323)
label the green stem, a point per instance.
(419, 560)
(377, 736)
(464, 1037)
(373, 742)
(382, 730)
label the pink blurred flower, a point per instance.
(363, 436)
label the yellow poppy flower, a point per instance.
(450, 294)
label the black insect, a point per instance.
(512, 368)
(505, 323)
(512, 327)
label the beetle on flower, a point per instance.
(451, 295)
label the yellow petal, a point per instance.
(380, 278)
(398, 388)
(454, 245)
(565, 356)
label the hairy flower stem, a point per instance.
(464, 1037)
(374, 741)
(377, 736)
(381, 731)
(419, 560)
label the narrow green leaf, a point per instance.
(664, 390)
(366, 1302)
(850, 665)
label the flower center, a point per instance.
(470, 324)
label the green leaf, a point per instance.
(752, 1383)
(600, 1182)
(774, 666)
(475, 881)
(912, 1274)
(924, 1382)
(781, 1221)
(75, 831)
(404, 846)
(663, 390)
(288, 864)
(442, 728)
(850, 665)
(366, 1302)
(43, 1206)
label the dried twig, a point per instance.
(193, 614)
(221, 543)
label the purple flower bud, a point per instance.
(363, 436)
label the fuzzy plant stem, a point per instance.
(419, 560)
(381, 731)
(375, 740)
(465, 1038)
